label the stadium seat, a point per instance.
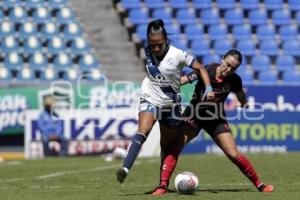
(6, 28)
(64, 15)
(179, 44)
(27, 29)
(141, 31)
(266, 32)
(258, 17)
(138, 16)
(193, 32)
(41, 15)
(80, 46)
(210, 16)
(11, 3)
(88, 61)
(281, 17)
(38, 61)
(218, 31)
(284, 62)
(32, 4)
(234, 16)
(249, 4)
(200, 47)
(288, 32)
(62, 61)
(186, 16)
(291, 78)
(49, 74)
(172, 29)
(222, 46)
(241, 32)
(5, 74)
(154, 4)
(261, 63)
(49, 30)
(210, 58)
(202, 4)
(71, 31)
(294, 5)
(25, 74)
(71, 74)
(246, 76)
(17, 14)
(247, 47)
(9, 44)
(225, 4)
(56, 45)
(164, 14)
(269, 47)
(273, 4)
(291, 47)
(268, 77)
(13, 60)
(32, 45)
(297, 17)
(1, 15)
(177, 4)
(94, 75)
(58, 3)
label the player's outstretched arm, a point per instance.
(241, 96)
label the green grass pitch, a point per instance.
(85, 178)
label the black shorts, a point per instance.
(202, 118)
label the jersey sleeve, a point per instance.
(187, 59)
(236, 84)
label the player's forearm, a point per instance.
(242, 98)
(201, 71)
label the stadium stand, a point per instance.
(265, 31)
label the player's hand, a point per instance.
(208, 94)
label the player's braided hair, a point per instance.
(156, 26)
(234, 53)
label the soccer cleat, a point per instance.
(265, 188)
(160, 190)
(121, 174)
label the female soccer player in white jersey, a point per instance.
(160, 92)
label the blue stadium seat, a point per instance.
(265, 32)
(291, 47)
(210, 58)
(154, 4)
(9, 44)
(32, 45)
(38, 61)
(225, 4)
(261, 63)
(164, 14)
(138, 16)
(1, 15)
(49, 30)
(27, 29)
(193, 32)
(258, 17)
(41, 15)
(247, 47)
(13, 60)
(291, 78)
(202, 4)
(49, 74)
(288, 32)
(31, 4)
(72, 30)
(5, 74)
(17, 14)
(218, 31)
(294, 5)
(11, 3)
(297, 17)
(241, 32)
(267, 77)
(94, 75)
(269, 47)
(200, 47)
(141, 31)
(210, 16)
(281, 17)
(179, 44)
(65, 15)
(222, 46)
(234, 16)
(186, 16)
(25, 74)
(58, 3)
(177, 4)
(71, 74)
(62, 61)
(56, 45)
(273, 4)
(6, 28)
(88, 61)
(172, 29)
(129, 4)
(80, 46)
(249, 4)
(246, 77)
(284, 62)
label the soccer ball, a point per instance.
(186, 183)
